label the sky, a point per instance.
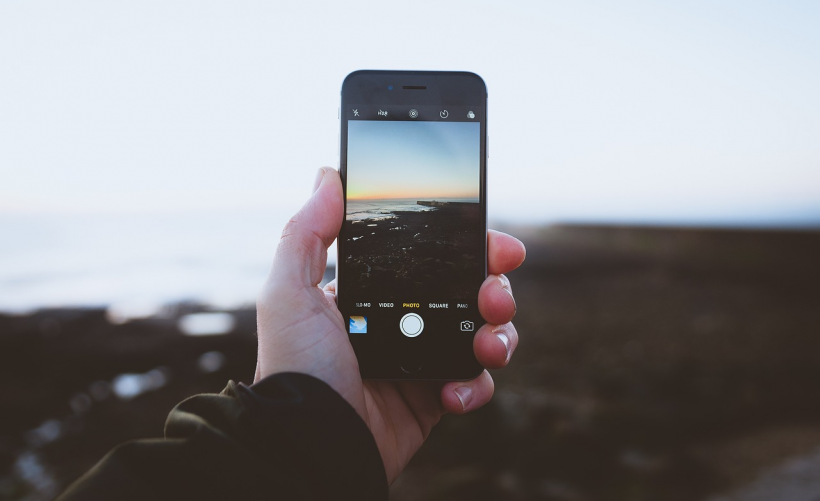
(403, 159)
(632, 111)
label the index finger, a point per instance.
(504, 252)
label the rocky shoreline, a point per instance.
(430, 253)
(654, 363)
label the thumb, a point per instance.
(301, 256)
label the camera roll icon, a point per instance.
(414, 113)
(467, 326)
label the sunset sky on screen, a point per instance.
(424, 160)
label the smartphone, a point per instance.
(412, 251)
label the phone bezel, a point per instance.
(448, 359)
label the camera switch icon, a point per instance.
(467, 326)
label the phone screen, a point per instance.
(412, 250)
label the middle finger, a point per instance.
(495, 300)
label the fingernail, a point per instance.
(505, 284)
(506, 340)
(319, 176)
(464, 394)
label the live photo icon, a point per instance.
(358, 325)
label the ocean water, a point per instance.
(384, 209)
(135, 263)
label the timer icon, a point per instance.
(444, 114)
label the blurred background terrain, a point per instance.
(659, 160)
(654, 364)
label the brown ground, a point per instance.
(423, 254)
(654, 364)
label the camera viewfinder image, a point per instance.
(414, 222)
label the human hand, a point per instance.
(301, 330)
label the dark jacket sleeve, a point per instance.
(290, 436)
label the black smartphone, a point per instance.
(412, 251)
